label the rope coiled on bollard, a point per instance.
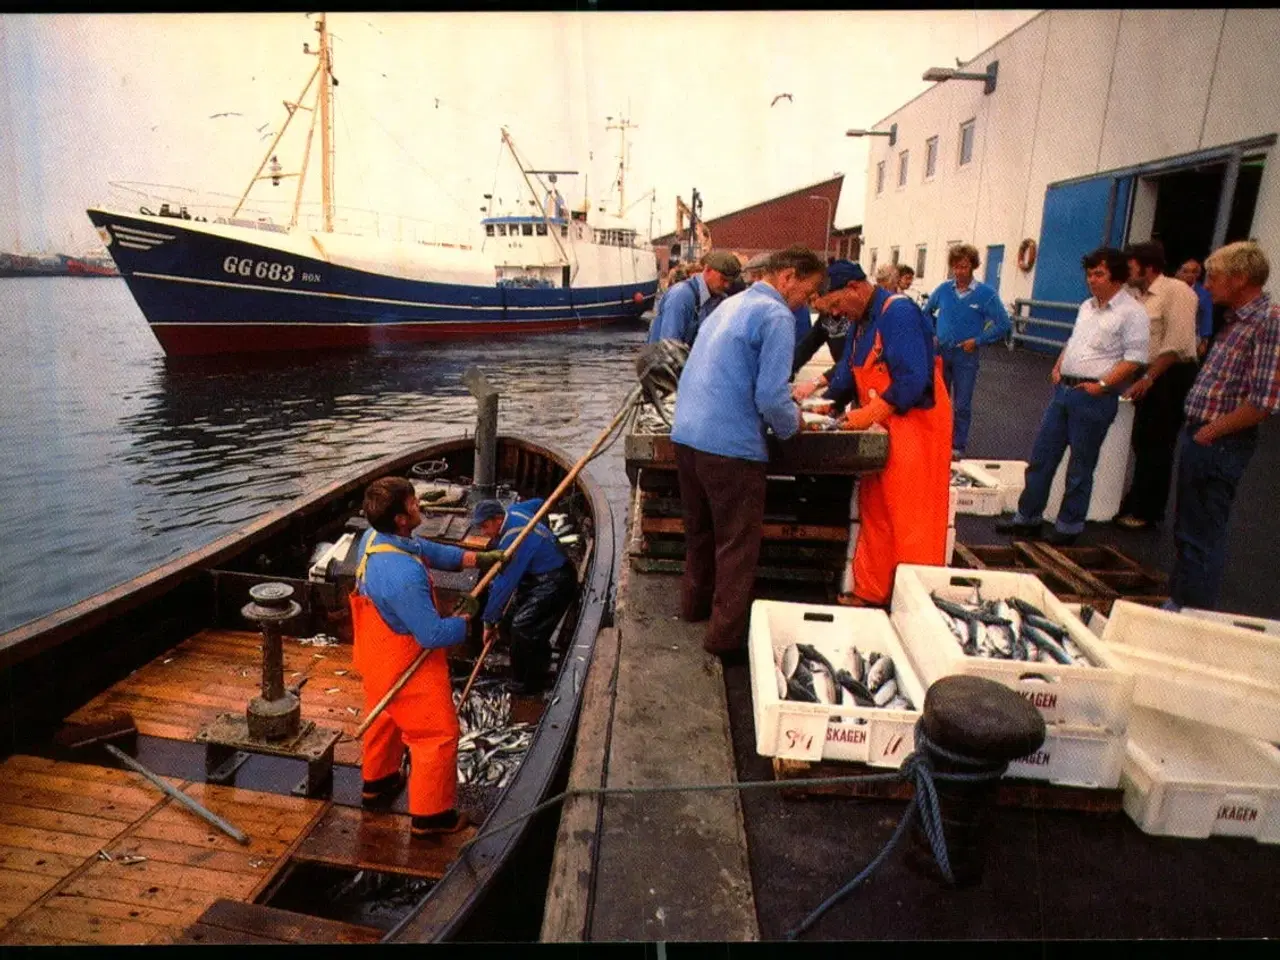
(917, 767)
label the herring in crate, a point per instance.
(806, 676)
(1008, 629)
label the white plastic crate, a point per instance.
(1214, 673)
(1096, 621)
(1097, 696)
(1074, 756)
(951, 544)
(1184, 779)
(815, 731)
(982, 500)
(1257, 624)
(1010, 475)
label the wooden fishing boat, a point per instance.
(90, 852)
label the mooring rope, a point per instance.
(917, 769)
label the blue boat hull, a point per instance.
(202, 293)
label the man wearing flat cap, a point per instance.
(830, 328)
(733, 387)
(542, 580)
(687, 304)
(897, 375)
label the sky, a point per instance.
(86, 100)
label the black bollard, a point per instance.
(985, 722)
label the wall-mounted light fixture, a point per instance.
(891, 133)
(942, 74)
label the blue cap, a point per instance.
(842, 273)
(487, 510)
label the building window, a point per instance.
(502, 229)
(879, 178)
(874, 256)
(542, 229)
(903, 157)
(966, 142)
(930, 157)
(526, 229)
(488, 229)
(921, 253)
(564, 229)
(893, 255)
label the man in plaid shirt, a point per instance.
(1237, 388)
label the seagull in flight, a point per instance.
(269, 133)
(263, 127)
(229, 113)
(782, 96)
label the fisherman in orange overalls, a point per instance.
(394, 617)
(898, 375)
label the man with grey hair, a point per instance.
(1237, 388)
(687, 304)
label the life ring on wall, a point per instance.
(1026, 254)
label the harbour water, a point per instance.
(114, 459)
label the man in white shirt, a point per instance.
(1161, 391)
(1108, 345)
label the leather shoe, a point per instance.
(1027, 531)
(1057, 538)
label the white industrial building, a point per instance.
(1103, 126)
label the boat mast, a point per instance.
(622, 126)
(326, 133)
(555, 234)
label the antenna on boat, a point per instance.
(622, 126)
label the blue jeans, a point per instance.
(1207, 481)
(1077, 420)
(960, 374)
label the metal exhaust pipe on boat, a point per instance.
(484, 483)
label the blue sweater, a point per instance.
(683, 309)
(907, 342)
(539, 553)
(401, 592)
(804, 321)
(736, 380)
(978, 314)
(1204, 316)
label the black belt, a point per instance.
(1075, 381)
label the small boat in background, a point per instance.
(90, 265)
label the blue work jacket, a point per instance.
(401, 591)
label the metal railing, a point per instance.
(1021, 321)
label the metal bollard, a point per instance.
(276, 713)
(982, 725)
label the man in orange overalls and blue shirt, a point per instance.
(394, 618)
(898, 375)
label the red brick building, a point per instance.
(795, 217)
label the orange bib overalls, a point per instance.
(903, 508)
(420, 716)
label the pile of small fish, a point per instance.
(804, 674)
(1010, 629)
(490, 747)
(819, 421)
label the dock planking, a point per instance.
(56, 887)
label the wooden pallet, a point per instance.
(1092, 575)
(1030, 794)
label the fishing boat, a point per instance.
(30, 265)
(91, 852)
(93, 264)
(210, 282)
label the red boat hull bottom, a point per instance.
(192, 339)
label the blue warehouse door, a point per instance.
(995, 263)
(1078, 217)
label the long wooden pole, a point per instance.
(326, 135)
(506, 556)
(272, 149)
(302, 177)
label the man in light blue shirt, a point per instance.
(734, 386)
(687, 304)
(1109, 343)
(968, 315)
(1190, 273)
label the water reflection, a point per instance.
(114, 458)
